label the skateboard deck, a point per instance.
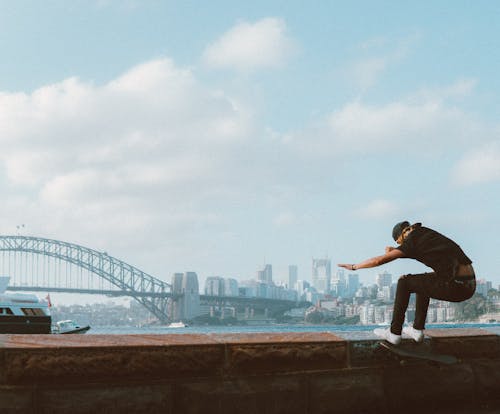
(404, 353)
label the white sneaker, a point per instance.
(416, 334)
(388, 336)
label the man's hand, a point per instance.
(346, 266)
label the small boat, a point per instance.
(69, 327)
(177, 325)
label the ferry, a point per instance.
(22, 313)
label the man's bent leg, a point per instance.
(421, 306)
(400, 305)
(408, 284)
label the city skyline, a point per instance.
(219, 137)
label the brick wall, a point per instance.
(244, 373)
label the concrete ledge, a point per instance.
(244, 373)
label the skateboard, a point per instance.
(404, 353)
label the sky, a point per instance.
(219, 136)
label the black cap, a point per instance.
(398, 229)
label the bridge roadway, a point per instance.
(204, 299)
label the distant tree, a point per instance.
(472, 308)
(314, 317)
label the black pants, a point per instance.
(426, 286)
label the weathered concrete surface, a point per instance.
(244, 373)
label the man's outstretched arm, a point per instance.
(390, 255)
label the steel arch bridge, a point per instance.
(154, 294)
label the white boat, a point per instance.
(22, 313)
(177, 325)
(69, 327)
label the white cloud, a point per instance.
(147, 149)
(425, 125)
(380, 55)
(250, 46)
(479, 166)
(378, 209)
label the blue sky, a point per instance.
(217, 136)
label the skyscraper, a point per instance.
(231, 287)
(384, 280)
(321, 274)
(293, 276)
(265, 275)
(338, 285)
(215, 286)
(352, 284)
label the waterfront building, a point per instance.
(247, 290)
(293, 275)
(351, 310)
(410, 315)
(311, 295)
(483, 287)
(352, 284)
(231, 287)
(338, 286)
(329, 304)
(384, 293)
(384, 279)
(321, 274)
(431, 315)
(379, 314)
(265, 275)
(215, 286)
(367, 314)
(389, 312)
(440, 315)
(451, 314)
(301, 286)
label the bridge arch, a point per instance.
(154, 294)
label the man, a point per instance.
(452, 279)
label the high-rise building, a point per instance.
(321, 274)
(215, 286)
(384, 280)
(483, 287)
(338, 285)
(265, 275)
(352, 284)
(301, 286)
(231, 287)
(293, 276)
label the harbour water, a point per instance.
(350, 331)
